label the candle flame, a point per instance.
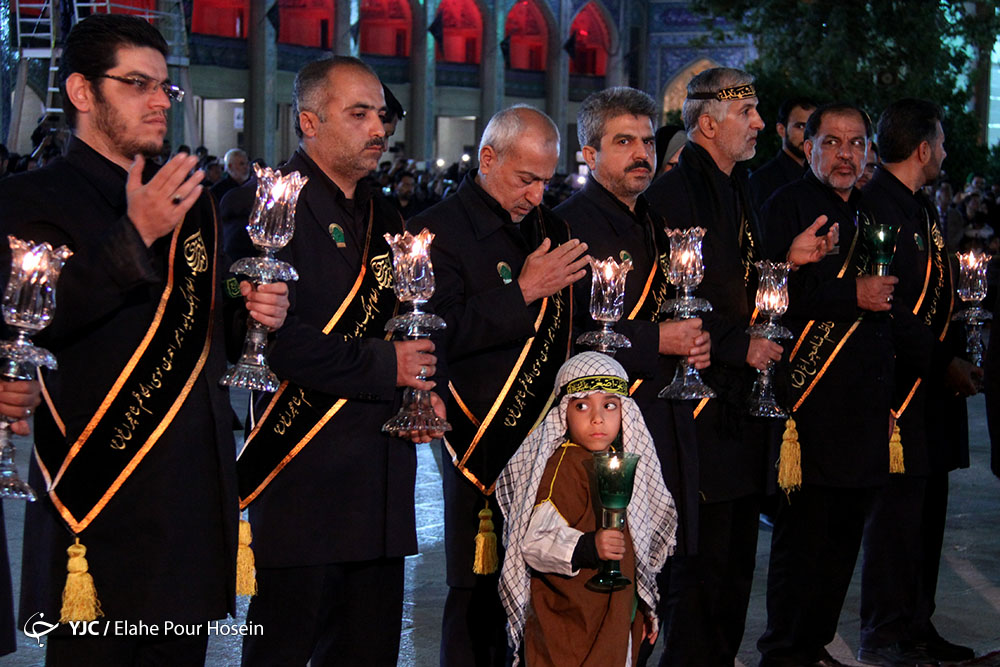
(31, 261)
(614, 463)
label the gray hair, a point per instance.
(505, 127)
(711, 81)
(602, 106)
(231, 155)
(309, 91)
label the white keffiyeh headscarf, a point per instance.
(652, 517)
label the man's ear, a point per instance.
(807, 148)
(487, 159)
(307, 123)
(924, 152)
(780, 129)
(589, 156)
(707, 125)
(80, 92)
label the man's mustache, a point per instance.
(639, 164)
(375, 141)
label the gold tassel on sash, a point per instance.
(896, 452)
(790, 459)
(246, 583)
(486, 560)
(79, 599)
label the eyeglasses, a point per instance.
(147, 86)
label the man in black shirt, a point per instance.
(134, 423)
(844, 441)
(905, 531)
(330, 496)
(790, 162)
(708, 593)
(504, 266)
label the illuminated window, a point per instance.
(462, 26)
(306, 22)
(385, 27)
(592, 42)
(225, 18)
(529, 36)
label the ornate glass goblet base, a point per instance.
(417, 412)
(251, 371)
(762, 402)
(11, 485)
(687, 383)
(974, 318)
(605, 340)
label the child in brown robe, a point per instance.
(552, 539)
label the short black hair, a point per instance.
(308, 91)
(836, 108)
(904, 125)
(92, 48)
(785, 110)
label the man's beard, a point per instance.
(796, 151)
(110, 124)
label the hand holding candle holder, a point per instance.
(614, 476)
(881, 240)
(413, 282)
(972, 290)
(272, 224)
(686, 272)
(28, 304)
(607, 304)
(772, 302)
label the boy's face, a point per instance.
(594, 421)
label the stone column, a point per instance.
(261, 105)
(557, 81)
(491, 68)
(342, 28)
(420, 116)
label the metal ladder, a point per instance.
(37, 24)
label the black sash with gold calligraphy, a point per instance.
(656, 288)
(933, 308)
(150, 389)
(296, 414)
(480, 448)
(821, 341)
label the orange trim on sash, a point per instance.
(506, 387)
(281, 390)
(78, 526)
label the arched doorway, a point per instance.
(528, 36)
(306, 22)
(386, 28)
(225, 18)
(676, 89)
(462, 32)
(591, 42)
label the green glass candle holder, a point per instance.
(614, 476)
(881, 239)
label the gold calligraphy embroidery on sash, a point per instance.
(195, 253)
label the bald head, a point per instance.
(517, 158)
(515, 124)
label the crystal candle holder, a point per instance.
(29, 302)
(686, 271)
(972, 289)
(413, 282)
(271, 226)
(607, 304)
(771, 302)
